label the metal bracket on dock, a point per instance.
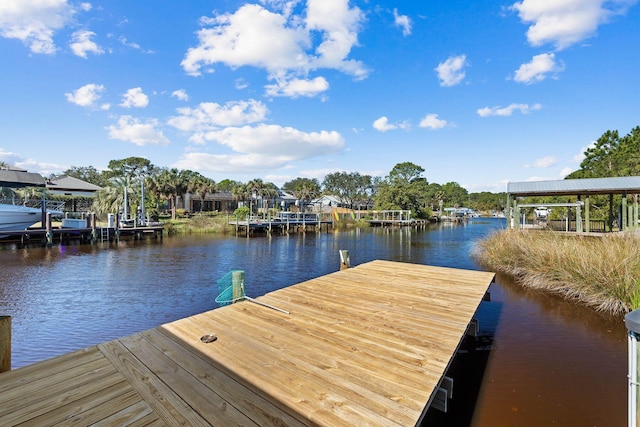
(443, 394)
(474, 328)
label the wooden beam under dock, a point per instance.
(368, 345)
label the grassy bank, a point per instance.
(198, 224)
(601, 272)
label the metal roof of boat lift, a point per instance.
(614, 185)
(20, 178)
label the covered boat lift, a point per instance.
(18, 178)
(582, 189)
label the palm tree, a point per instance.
(202, 185)
(270, 191)
(256, 188)
(306, 192)
(111, 198)
(170, 184)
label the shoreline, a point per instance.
(601, 273)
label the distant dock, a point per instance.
(78, 234)
(368, 345)
(394, 218)
(283, 222)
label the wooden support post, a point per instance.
(116, 233)
(610, 219)
(635, 212)
(623, 214)
(587, 219)
(94, 230)
(237, 281)
(578, 219)
(345, 261)
(49, 230)
(5, 343)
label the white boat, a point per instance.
(18, 217)
(542, 212)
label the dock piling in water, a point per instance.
(345, 261)
(5, 343)
(632, 322)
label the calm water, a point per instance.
(539, 361)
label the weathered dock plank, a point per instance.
(364, 346)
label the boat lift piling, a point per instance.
(632, 322)
(5, 343)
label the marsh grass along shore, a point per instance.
(218, 223)
(601, 272)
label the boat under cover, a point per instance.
(18, 217)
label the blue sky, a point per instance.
(477, 92)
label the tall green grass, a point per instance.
(199, 224)
(601, 272)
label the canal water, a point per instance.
(539, 360)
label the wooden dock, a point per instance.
(365, 346)
(82, 234)
(271, 225)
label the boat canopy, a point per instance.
(18, 179)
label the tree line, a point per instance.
(612, 155)
(405, 187)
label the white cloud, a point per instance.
(133, 45)
(251, 36)
(295, 88)
(543, 162)
(10, 158)
(432, 121)
(228, 163)
(241, 84)
(81, 43)
(280, 43)
(17, 160)
(578, 158)
(211, 116)
(403, 22)
(507, 111)
(133, 130)
(86, 96)
(262, 147)
(494, 187)
(181, 94)
(538, 69)
(277, 141)
(538, 178)
(566, 22)
(339, 26)
(451, 72)
(34, 22)
(134, 97)
(566, 171)
(382, 124)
